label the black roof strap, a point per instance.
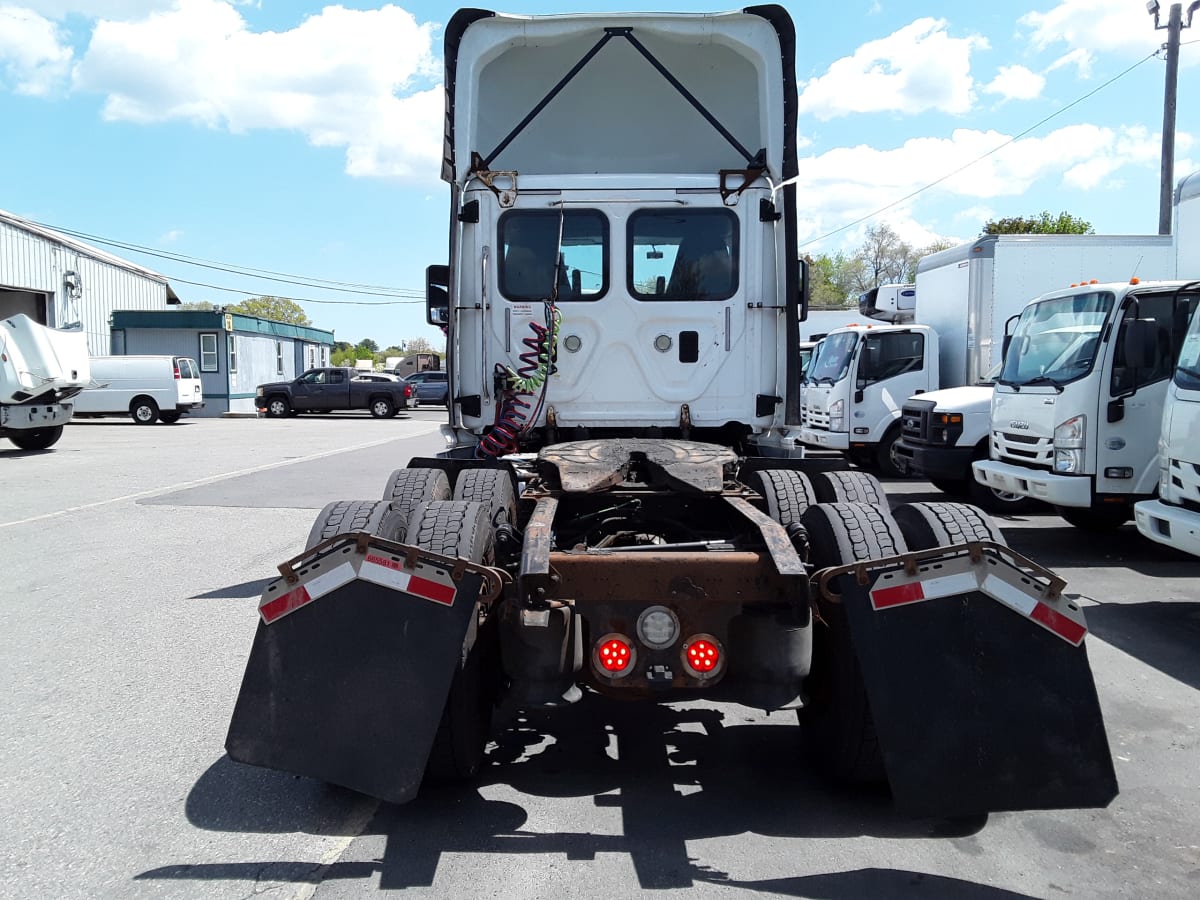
(753, 161)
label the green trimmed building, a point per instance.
(235, 353)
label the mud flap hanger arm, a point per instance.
(755, 162)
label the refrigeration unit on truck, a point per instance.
(971, 294)
(895, 303)
(41, 371)
(623, 306)
(1078, 404)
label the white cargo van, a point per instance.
(148, 388)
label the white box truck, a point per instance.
(146, 388)
(1078, 404)
(1174, 517)
(969, 294)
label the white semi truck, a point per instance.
(1078, 404)
(41, 369)
(989, 281)
(623, 305)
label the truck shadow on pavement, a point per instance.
(1162, 634)
(672, 774)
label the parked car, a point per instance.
(410, 394)
(322, 390)
(146, 388)
(430, 387)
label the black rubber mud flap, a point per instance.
(977, 707)
(349, 687)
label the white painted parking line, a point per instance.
(155, 492)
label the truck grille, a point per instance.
(818, 420)
(1023, 448)
(914, 421)
(1185, 483)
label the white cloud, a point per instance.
(851, 182)
(34, 57)
(170, 237)
(1099, 26)
(1016, 83)
(918, 68)
(1080, 58)
(343, 78)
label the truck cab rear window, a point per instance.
(536, 265)
(683, 255)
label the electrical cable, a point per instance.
(966, 166)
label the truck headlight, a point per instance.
(258, 392)
(1068, 462)
(837, 415)
(1071, 434)
(1164, 480)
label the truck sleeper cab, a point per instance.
(1079, 401)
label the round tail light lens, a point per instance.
(703, 656)
(614, 655)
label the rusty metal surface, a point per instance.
(587, 466)
(779, 545)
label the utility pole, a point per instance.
(1173, 27)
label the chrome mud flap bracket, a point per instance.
(352, 661)
(978, 681)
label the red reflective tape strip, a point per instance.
(1058, 623)
(284, 604)
(432, 590)
(882, 598)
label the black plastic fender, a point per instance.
(978, 706)
(349, 673)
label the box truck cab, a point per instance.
(1078, 404)
(856, 385)
(1174, 517)
(146, 388)
(41, 371)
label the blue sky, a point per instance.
(304, 139)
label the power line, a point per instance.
(984, 156)
(349, 287)
(245, 293)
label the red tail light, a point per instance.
(614, 655)
(702, 655)
(408, 390)
(176, 373)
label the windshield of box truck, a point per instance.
(1187, 373)
(1055, 341)
(832, 358)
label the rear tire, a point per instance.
(787, 492)
(409, 488)
(929, 525)
(458, 528)
(1097, 519)
(348, 516)
(36, 438)
(171, 417)
(839, 732)
(849, 487)
(382, 408)
(143, 410)
(491, 487)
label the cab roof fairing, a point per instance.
(617, 114)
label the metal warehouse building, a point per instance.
(57, 280)
(236, 353)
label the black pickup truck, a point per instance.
(322, 390)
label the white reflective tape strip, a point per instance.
(329, 581)
(1012, 597)
(385, 572)
(949, 585)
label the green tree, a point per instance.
(201, 305)
(277, 309)
(369, 345)
(1043, 223)
(342, 346)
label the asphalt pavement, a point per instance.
(133, 559)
